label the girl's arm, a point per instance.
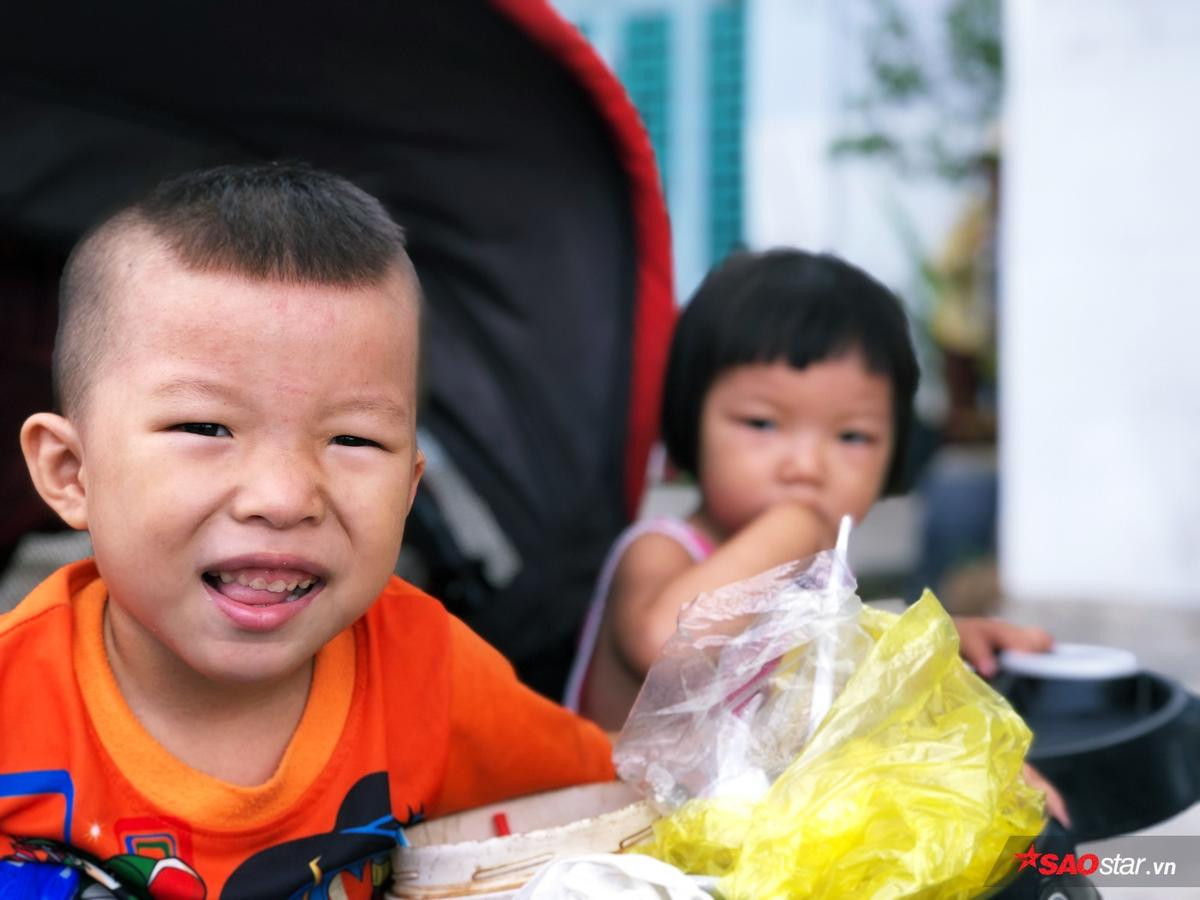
(656, 577)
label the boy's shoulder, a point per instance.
(398, 590)
(413, 635)
(47, 603)
(39, 687)
(404, 607)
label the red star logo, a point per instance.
(1028, 858)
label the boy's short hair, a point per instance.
(785, 305)
(283, 222)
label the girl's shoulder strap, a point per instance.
(696, 544)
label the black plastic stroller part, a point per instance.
(520, 172)
(1123, 752)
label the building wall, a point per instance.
(743, 100)
(682, 62)
(1100, 453)
(805, 64)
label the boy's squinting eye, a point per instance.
(204, 429)
(350, 440)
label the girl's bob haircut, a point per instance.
(792, 306)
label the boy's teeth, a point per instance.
(279, 586)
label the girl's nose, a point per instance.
(802, 460)
(280, 489)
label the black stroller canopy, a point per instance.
(527, 190)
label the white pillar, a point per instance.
(1100, 315)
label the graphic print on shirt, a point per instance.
(49, 868)
(352, 860)
(52, 870)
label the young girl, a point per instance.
(788, 397)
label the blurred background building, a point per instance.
(1023, 174)
(748, 103)
(976, 155)
(855, 127)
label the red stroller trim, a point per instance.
(654, 313)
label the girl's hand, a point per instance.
(980, 638)
(1054, 801)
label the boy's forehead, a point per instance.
(149, 285)
(169, 321)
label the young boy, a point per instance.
(235, 697)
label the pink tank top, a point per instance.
(696, 544)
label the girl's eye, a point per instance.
(204, 429)
(856, 437)
(350, 440)
(758, 423)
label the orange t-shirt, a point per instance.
(410, 715)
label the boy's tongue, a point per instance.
(260, 587)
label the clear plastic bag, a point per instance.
(743, 682)
(909, 786)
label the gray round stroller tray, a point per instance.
(1124, 752)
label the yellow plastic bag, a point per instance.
(909, 788)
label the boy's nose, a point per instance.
(281, 490)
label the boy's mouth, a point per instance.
(262, 587)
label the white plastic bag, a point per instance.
(602, 876)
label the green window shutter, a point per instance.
(644, 69)
(726, 87)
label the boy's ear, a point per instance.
(54, 456)
(418, 471)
